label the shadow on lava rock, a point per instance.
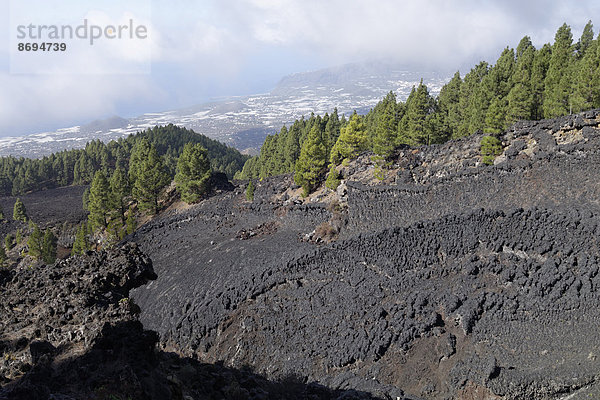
(123, 363)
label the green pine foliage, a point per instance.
(99, 204)
(77, 167)
(130, 224)
(116, 230)
(19, 211)
(384, 130)
(49, 247)
(333, 178)
(353, 139)
(140, 151)
(9, 241)
(414, 128)
(496, 115)
(81, 243)
(449, 107)
(250, 191)
(193, 173)
(491, 147)
(120, 190)
(559, 77)
(281, 151)
(34, 243)
(312, 161)
(149, 180)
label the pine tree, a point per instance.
(496, 116)
(413, 128)
(84, 169)
(292, 148)
(386, 127)
(520, 98)
(139, 153)
(332, 130)
(541, 63)
(130, 224)
(312, 161)
(353, 139)
(193, 173)
(584, 43)
(499, 80)
(19, 211)
(119, 190)
(81, 243)
(267, 157)
(34, 243)
(9, 241)
(520, 103)
(586, 88)
(333, 178)
(99, 201)
(250, 191)
(558, 78)
(448, 102)
(472, 105)
(491, 147)
(151, 178)
(49, 247)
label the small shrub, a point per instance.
(491, 147)
(9, 241)
(19, 211)
(130, 223)
(326, 232)
(250, 191)
(333, 178)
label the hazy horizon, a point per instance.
(210, 49)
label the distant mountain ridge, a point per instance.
(244, 122)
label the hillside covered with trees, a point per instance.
(525, 83)
(78, 167)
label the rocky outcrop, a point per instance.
(547, 164)
(69, 331)
(60, 310)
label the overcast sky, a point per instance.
(209, 48)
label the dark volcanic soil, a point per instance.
(51, 207)
(69, 332)
(442, 287)
(453, 280)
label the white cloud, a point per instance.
(45, 100)
(198, 47)
(438, 32)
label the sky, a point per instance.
(204, 49)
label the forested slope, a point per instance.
(525, 83)
(77, 167)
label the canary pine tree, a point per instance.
(312, 161)
(193, 172)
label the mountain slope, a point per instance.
(445, 302)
